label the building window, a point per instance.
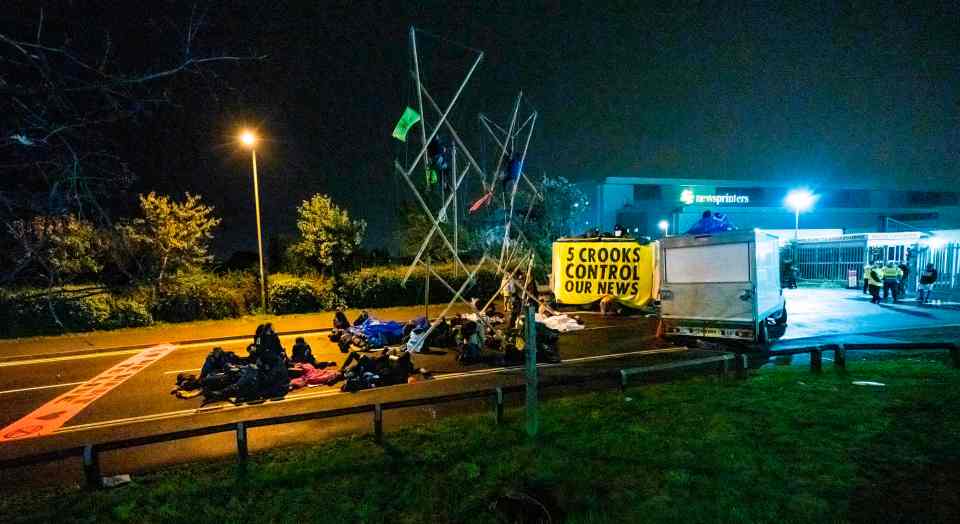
(931, 198)
(850, 198)
(646, 192)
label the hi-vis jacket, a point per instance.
(875, 276)
(892, 273)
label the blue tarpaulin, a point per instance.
(379, 333)
(715, 223)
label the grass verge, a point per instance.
(784, 446)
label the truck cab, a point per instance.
(722, 286)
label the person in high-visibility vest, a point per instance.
(866, 278)
(891, 280)
(875, 281)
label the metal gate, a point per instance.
(946, 258)
(831, 260)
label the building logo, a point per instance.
(688, 197)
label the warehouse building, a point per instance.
(641, 205)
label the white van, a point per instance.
(722, 286)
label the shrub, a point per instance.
(381, 286)
(202, 296)
(301, 294)
(127, 312)
(28, 312)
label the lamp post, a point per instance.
(799, 200)
(665, 227)
(249, 140)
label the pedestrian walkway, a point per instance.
(196, 331)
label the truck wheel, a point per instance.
(763, 335)
(782, 319)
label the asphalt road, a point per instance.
(143, 405)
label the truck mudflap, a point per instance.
(700, 330)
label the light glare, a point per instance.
(248, 138)
(800, 200)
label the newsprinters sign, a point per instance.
(689, 197)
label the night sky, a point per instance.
(811, 91)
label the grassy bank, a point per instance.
(784, 446)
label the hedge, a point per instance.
(209, 296)
(206, 296)
(33, 312)
(381, 286)
(301, 294)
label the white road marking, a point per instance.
(35, 388)
(329, 393)
(122, 352)
(47, 360)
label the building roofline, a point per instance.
(839, 185)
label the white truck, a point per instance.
(722, 286)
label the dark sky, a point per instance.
(812, 91)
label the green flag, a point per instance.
(409, 118)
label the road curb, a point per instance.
(110, 349)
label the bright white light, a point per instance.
(936, 242)
(248, 138)
(576, 204)
(800, 200)
(664, 225)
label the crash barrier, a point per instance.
(90, 453)
(840, 351)
(723, 360)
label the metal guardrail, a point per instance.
(90, 453)
(840, 351)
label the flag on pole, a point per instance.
(409, 118)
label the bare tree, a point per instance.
(63, 103)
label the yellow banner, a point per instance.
(585, 271)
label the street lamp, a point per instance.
(249, 139)
(798, 200)
(664, 226)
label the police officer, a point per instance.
(891, 280)
(875, 281)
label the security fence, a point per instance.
(826, 262)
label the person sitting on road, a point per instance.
(340, 325)
(271, 342)
(301, 353)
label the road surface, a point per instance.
(143, 405)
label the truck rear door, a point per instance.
(708, 282)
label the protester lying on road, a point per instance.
(390, 368)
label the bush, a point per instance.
(204, 296)
(381, 286)
(127, 312)
(301, 294)
(28, 312)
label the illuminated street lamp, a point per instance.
(248, 139)
(798, 200)
(664, 226)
